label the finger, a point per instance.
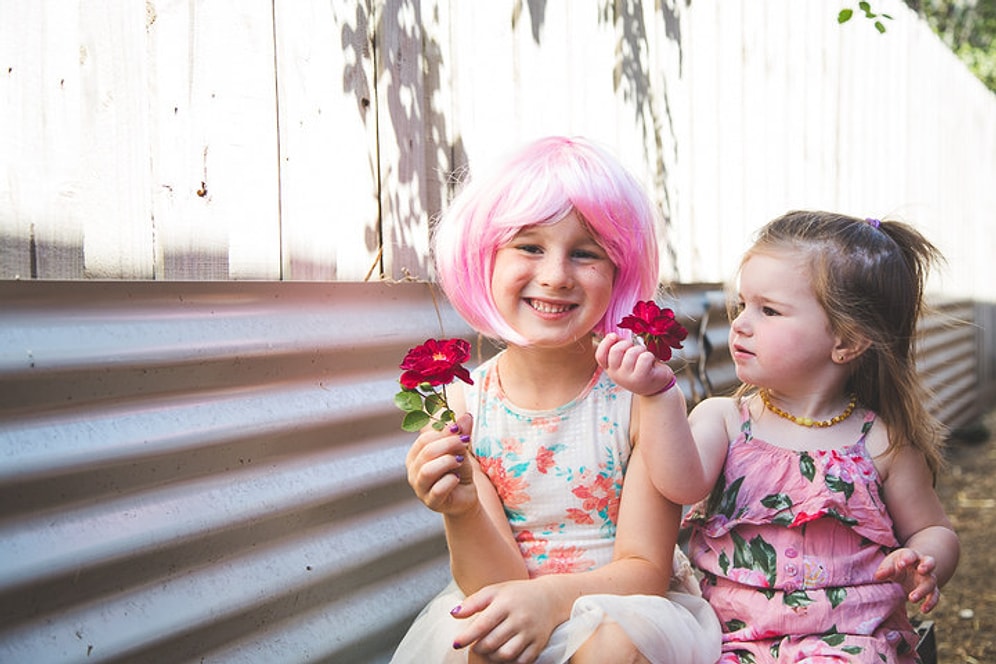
(480, 627)
(614, 351)
(894, 564)
(603, 346)
(926, 565)
(476, 602)
(464, 424)
(501, 644)
(931, 601)
(434, 459)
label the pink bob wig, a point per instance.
(541, 184)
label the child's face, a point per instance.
(781, 337)
(553, 283)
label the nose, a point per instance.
(740, 323)
(555, 271)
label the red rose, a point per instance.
(434, 364)
(657, 327)
(437, 362)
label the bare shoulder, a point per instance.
(716, 408)
(877, 446)
(716, 414)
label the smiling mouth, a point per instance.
(549, 307)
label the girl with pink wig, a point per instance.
(552, 560)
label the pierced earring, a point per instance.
(840, 358)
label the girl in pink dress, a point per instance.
(551, 559)
(816, 517)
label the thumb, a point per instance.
(892, 565)
(465, 423)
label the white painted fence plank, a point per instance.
(215, 146)
(41, 230)
(112, 196)
(328, 171)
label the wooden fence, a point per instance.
(315, 139)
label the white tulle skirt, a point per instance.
(679, 627)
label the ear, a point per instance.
(846, 350)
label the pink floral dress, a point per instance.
(559, 474)
(789, 542)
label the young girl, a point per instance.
(555, 246)
(822, 519)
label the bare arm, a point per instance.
(929, 545)
(446, 477)
(685, 456)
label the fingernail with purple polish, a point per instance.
(454, 428)
(464, 438)
(455, 610)
(459, 459)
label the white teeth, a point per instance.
(547, 308)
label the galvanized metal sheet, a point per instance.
(215, 471)
(210, 471)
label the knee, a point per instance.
(608, 645)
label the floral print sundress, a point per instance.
(559, 484)
(788, 544)
(559, 474)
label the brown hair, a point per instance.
(869, 278)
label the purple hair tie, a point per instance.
(874, 223)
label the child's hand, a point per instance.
(915, 573)
(631, 365)
(439, 468)
(512, 621)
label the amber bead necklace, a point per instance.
(808, 421)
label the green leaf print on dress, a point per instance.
(754, 563)
(807, 466)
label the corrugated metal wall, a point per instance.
(209, 472)
(213, 472)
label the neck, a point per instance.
(544, 378)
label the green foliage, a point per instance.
(968, 27)
(845, 15)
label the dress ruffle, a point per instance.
(854, 496)
(679, 627)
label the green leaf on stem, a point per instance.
(408, 400)
(414, 421)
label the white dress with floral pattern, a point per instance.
(559, 474)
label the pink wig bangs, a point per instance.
(542, 184)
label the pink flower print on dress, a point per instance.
(842, 470)
(803, 518)
(600, 496)
(580, 516)
(512, 446)
(817, 650)
(547, 424)
(512, 490)
(565, 560)
(530, 545)
(544, 459)
(750, 577)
